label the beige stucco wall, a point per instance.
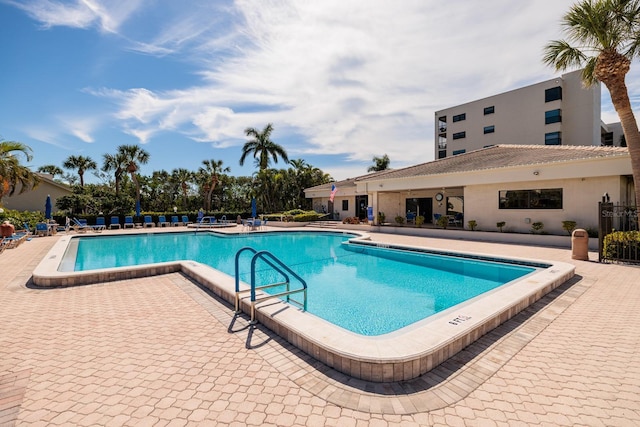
(35, 199)
(580, 204)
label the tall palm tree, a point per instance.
(81, 164)
(182, 177)
(13, 175)
(603, 38)
(262, 147)
(52, 170)
(212, 168)
(379, 164)
(118, 164)
(134, 156)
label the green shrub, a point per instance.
(569, 226)
(419, 221)
(592, 231)
(381, 217)
(18, 219)
(307, 216)
(351, 220)
(399, 219)
(537, 227)
(500, 225)
(472, 224)
(621, 245)
(443, 221)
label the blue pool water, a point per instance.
(362, 288)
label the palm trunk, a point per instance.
(620, 100)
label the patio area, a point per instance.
(162, 351)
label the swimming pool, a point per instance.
(395, 356)
(366, 290)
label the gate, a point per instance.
(618, 217)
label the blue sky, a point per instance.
(341, 81)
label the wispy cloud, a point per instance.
(107, 16)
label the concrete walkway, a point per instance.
(162, 351)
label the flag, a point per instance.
(334, 189)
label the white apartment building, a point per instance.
(559, 111)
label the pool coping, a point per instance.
(398, 356)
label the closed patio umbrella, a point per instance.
(47, 207)
(254, 208)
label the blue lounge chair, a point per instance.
(128, 222)
(100, 224)
(42, 229)
(162, 221)
(185, 220)
(80, 225)
(115, 223)
(175, 221)
(148, 221)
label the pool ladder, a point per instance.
(278, 266)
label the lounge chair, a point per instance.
(175, 221)
(80, 225)
(115, 223)
(100, 224)
(411, 217)
(42, 229)
(162, 221)
(148, 222)
(185, 220)
(128, 222)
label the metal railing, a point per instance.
(277, 265)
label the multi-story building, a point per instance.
(560, 111)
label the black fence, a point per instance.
(618, 235)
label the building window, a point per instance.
(489, 110)
(460, 117)
(553, 116)
(553, 94)
(489, 129)
(442, 154)
(459, 135)
(553, 138)
(345, 205)
(550, 198)
(456, 152)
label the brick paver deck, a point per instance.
(162, 351)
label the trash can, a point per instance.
(580, 244)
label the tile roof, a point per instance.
(502, 156)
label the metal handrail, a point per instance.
(277, 265)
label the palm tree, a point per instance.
(262, 148)
(603, 39)
(118, 164)
(212, 168)
(133, 155)
(182, 177)
(82, 164)
(13, 175)
(379, 164)
(52, 170)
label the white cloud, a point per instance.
(107, 15)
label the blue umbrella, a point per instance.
(137, 207)
(47, 207)
(254, 208)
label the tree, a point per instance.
(183, 178)
(81, 164)
(13, 175)
(118, 164)
(262, 147)
(52, 170)
(379, 164)
(134, 156)
(210, 171)
(603, 37)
